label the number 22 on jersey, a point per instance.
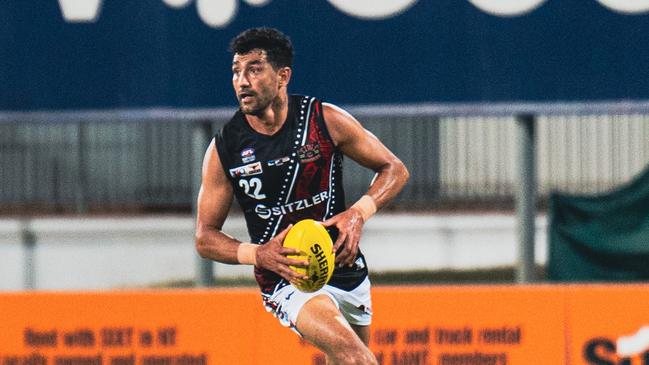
(252, 188)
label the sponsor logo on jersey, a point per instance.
(248, 155)
(309, 152)
(247, 170)
(265, 212)
(278, 161)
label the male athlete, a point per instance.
(281, 156)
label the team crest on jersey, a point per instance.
(248, 155)
(247, 170)
(309, 152)
(278, 161)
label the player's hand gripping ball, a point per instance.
(316, 247)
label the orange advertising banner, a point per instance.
(425, 325)
(468, 325)
(602, 317)
(122, 328)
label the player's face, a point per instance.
(255, 81)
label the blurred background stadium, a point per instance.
(106, 108)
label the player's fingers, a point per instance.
(298, 282)
(339, 241)
(280, 237)
(352, 244)
(342, 255)
(295, 262)
(341, 259)
(353, 249)
(285, 251)
(292, 275)
(330, 222)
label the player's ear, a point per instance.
(284, 76)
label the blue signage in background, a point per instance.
(94, 54)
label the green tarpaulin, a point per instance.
(600, 238)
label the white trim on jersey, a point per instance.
(307, 125)
(305, 132)
(331, 174)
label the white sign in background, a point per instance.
(125, 252)
(219, 13)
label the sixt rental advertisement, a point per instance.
(423, 325)
(105, 54)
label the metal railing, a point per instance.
(142, 160)
(474, 154)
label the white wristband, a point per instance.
(366, 206)
(247, 253)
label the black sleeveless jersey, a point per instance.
(281, 179)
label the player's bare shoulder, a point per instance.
(212, 168)
(342, 126)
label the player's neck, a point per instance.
(272, 118)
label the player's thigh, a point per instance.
(321, 323)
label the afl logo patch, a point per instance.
(309, 152)
(248, 155)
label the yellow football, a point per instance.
(316, 247)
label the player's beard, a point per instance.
(260, 102)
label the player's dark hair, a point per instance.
(278, 47)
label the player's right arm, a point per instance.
(214, 201)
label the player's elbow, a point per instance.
(202, 243)
(403, 172)
(400, 171)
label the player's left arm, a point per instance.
(363, 147)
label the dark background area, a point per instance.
(146, 54)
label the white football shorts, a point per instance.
(355, 305)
